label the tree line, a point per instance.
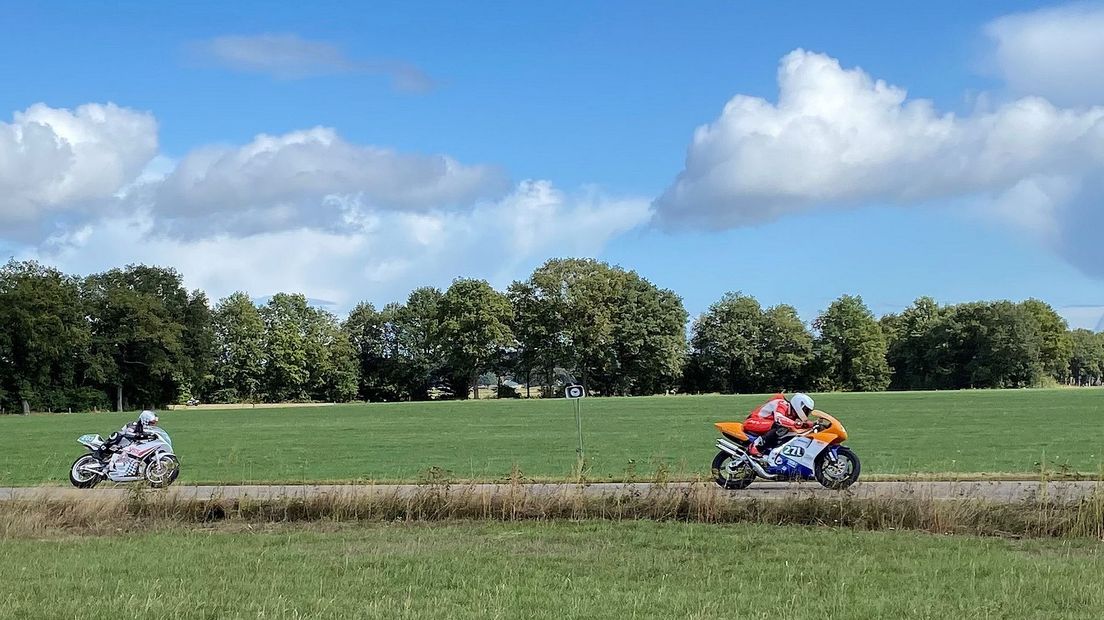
(136, 337)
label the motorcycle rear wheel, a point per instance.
(731, 479)
(83, 480)
(841, 474)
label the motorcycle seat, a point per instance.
(734, 430)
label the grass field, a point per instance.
(556, 569)
(1012, 431)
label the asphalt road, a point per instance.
(998, 491)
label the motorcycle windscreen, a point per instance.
(92, 441)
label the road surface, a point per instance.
(998, 491)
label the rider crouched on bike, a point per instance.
(132, 432)
(775, 419)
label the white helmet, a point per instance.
(802, 406)
(148, 418)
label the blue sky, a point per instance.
(597, 104)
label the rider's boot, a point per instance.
(119, 464)
(754, 449)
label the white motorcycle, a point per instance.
(151, 460)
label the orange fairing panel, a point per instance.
(834, 433)
(736, 429)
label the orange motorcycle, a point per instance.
(817, 454)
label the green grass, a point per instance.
(545, 570)
(1012, 431)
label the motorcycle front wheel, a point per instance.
(162, 471)
(730, 476)
(841, 473)
(80, 478)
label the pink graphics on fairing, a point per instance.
(138, 450)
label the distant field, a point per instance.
(540, 570)
(1011, 431)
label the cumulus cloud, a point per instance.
(305, 211)
(1055, 52)
(288, 56)
(378, 255)
(306, 178)
(55, 161)
(838, 138)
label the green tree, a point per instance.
(239, 343)
(1010, 355)
(138, 333)
(1055, 347)
(286, 356)
(988, 345)
(475, 329)
(372, 336)
(786, 350)
(913, 352)
(540, 338)
(416, 327)
(726, 345)
(736, 346)
(649, 337)
(198, 342)
(332, 372)
(850, 348)
(44, 339)
(1086, 357)
(580, 294)
(612, 328)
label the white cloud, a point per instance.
(838, 138)
(305, 178)
(289, 56)
(305, 211)
(378, 255)
(1054, 52)
(58, 160)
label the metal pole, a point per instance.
(579, 432)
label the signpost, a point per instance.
(576, 393)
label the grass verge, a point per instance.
(1035, 518)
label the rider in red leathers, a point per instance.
(774, 420)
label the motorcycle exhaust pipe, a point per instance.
(735, 450)
(731, 448)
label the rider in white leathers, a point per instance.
(128, 434)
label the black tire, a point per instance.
(731, 481)
(172, 476)
(828, 475)
(83, 482)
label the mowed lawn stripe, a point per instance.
(1010, 431)
(553, 569)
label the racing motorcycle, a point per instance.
(151, 459)
(816, 453)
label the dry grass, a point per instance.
(143, 510)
